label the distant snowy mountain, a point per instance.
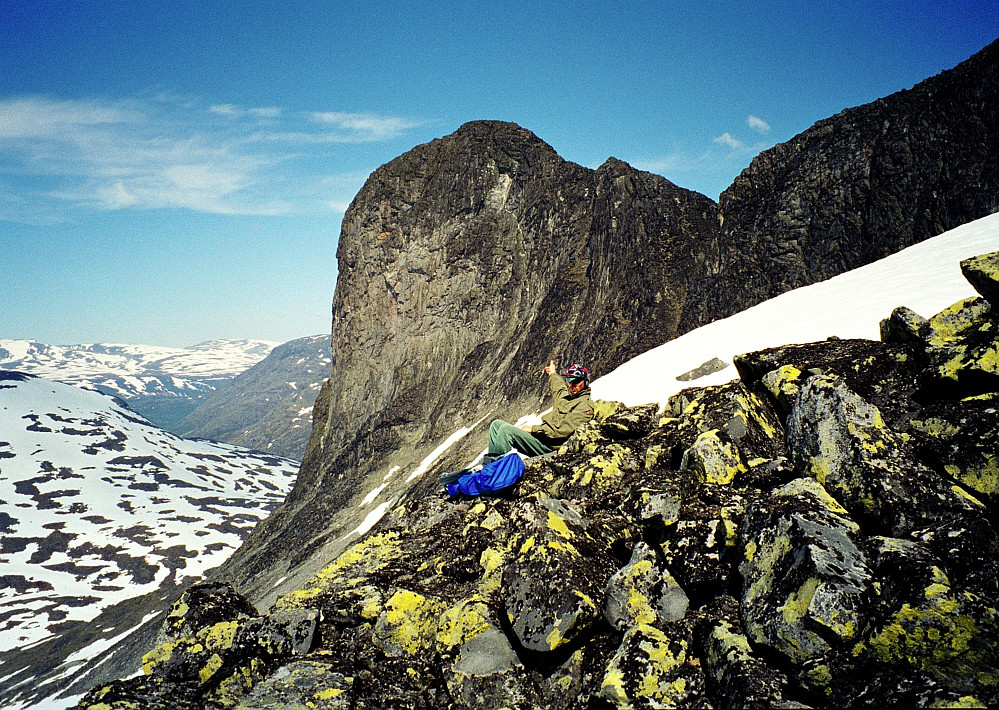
(269, 406)
(97, 505)
(161, 383)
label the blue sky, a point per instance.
(176, 172)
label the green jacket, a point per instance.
(569, 411)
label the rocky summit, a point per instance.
(820, 532)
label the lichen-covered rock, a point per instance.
(407, 625)
(340, 586)
(805, 582)
(737, 416)
(964, 349)
(555, 578)
(655, 501)
(299, 626)
(480, 666)
(713, 460)
(949, 634)
(597, 469)
(203, 605)
(736, 677)
(982, 272)
(654, 668)
(301, 685)
(961, 438)
(630, 422)
(843, 443)
(700, 549)
(783, 384)
(904, 326)
(885, 374)
(142, 693)
(643, 592)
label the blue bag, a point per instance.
(492, 477)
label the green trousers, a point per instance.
(504, 436)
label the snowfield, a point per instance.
(98, 505)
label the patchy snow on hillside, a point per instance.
(98, 505)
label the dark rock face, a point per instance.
(858, 186)
(463, 265)
(771, 542)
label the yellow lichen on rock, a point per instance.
(940, 636)
(713, 461)
(350, 568)
(160, 654)
(461, 623)
(408, 624)
(647, 671)
(214, 663)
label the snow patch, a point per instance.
(372, 518)
(439, 451)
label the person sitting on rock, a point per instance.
(571, 407)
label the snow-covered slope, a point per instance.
(926, 278)
(98, 505)
(162, 383)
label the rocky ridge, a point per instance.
(856, 187)
(468, 261)
(820, 532)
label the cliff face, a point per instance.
(468, 262)
(465, 265)
(856, 187)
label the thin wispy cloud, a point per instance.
(727, 139)
(758, 124)
(171, 152)
(362, 127)
(710, 170)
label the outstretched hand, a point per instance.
(550, 368)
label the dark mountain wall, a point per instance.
(465, 265)
(856, 187)
(468, 262)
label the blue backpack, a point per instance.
(495, 476)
